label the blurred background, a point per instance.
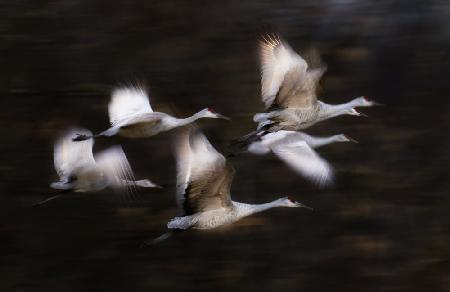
(384, 226)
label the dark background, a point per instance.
(384, 226)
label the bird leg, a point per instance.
(162, 237)
(157, 240)
(59, 195)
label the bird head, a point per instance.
(211, 113)
(290, 202)
(344, 138)
(364, 101)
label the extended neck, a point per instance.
(333, 110)
(144, 183)
(188, 120)
(321, 141)
(248, 209)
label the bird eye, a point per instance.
(211, 110)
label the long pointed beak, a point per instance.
(363, 115)
(298, 204)
(351, 139)
(372, 102)
(223, 117)
(377, 103)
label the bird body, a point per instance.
(204, 179)
(227, 215)
(292, 137)
(80, 171)
(288, 90)
(83, 180)
(150, 124)
(295, 119)
(131, 116)
(296, 149)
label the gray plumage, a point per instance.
(289, 90)
(296, 149)
(80, 171)
(132, 116)
(204, 179)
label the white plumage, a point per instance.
(201, 171)
(126, 102)
(289, 90)
(296, 153)
(296, 150)
(80, 171)
(204, 179)
(131, 116)
(277, 59)
(301, 158)
(70, 157)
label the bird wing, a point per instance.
(286, 80)
(298, 89)
(277, 59)
(150, 119)
(70, 156)
(203, 175)
(305, 161)
(274, 137)
(286, 137)
(126, 102)
(113, 164)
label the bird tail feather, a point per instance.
(240, 144)
(40, 203)
(157, 240)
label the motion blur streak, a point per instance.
(383, 227)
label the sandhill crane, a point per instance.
(204, 179)
(288, 90)
(296, 150)
(131, 116)
(79, 171)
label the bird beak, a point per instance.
(376, 103)
(298, 204)
(362, 114)
(223, 117)
(351, 139)
(372, 102)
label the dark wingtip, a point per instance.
(231, 155)
(80, 137)
(154, 241)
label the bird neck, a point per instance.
(321, 141)
(249, 209)
(189, 120)
(141, 183)
(133, 183)
(334, 110)
(130, 182)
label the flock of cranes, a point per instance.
(204, 176)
